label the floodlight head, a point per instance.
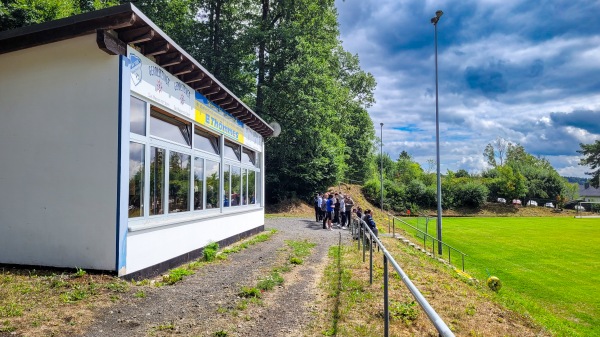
(276, 129)
(438, 14)
(381, 124)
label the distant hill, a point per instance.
(578, 180)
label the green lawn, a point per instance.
(549, 267)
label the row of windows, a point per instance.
(175, 171)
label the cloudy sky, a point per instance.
(527, 71)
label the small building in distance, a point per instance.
(120, 152)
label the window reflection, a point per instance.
(136, 180)
(232, 151)
(157, 180)
(248, 157)
(179, 182)
(226, 182)
(206, 141)
(212, 184)
(169, 128)
(236, 187)
(252, 187)
(198, 183)
(244, 186)
(137, 116)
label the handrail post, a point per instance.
(394, 226)
(371, 261)
(386, 311)
(364, 237)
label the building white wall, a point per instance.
(59, 155)
(148, 247)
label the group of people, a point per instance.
(335, 209)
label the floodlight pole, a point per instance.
(381, 169)
(435, 20)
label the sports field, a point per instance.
(549, 266)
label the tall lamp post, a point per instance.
(435, 20)
(381, 170)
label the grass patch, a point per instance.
(210, 251)
(548, 266)
(270, 282)
(250, 292)
(176, 275)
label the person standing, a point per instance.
(324, 209)
(317, 205)
(336, 210)
(342, 211)
(349, 203)
(330, 210)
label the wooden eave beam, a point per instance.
(226, 102)
(220, 96)
(170, 59)
(185, 68)
(211, 91)
(110, 43)
(193, 77)
(156, 48)
(203, 84)
(231, 105)
(137, 35)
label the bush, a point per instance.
(471, 195)
(210, 251)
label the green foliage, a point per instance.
(79, 273)
(591, 153)
(210, 251)
(270, 282)
(220, 333)
(250, 292)
(176, 275)
(296, 260)
(407, 312)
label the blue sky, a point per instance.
(526, 71)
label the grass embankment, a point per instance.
(548, 266)
(355, 307)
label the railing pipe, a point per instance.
(386, 304)
(435, 319)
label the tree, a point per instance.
(591, 153)
(496, 150)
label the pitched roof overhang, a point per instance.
(119, 26)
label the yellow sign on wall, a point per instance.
(215, 118)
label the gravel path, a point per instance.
(207, 302)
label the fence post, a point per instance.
(371, 261)
(364, 239)
(386, 312)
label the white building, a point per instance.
(120, 152)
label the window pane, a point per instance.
(244, 186)
(232, 151)
(252, 187)
(248, 157)
(212, 184)
(157, 180)
(136, 180)
(198, 183)
(236, 188)
(206, 142)
(169, 128)
(137, 116)
(226, 181)
(179, 182)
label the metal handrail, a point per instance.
(433, 240)
(435, 319)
